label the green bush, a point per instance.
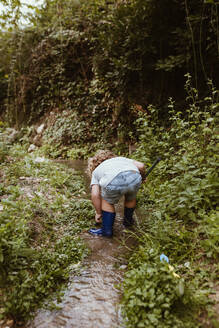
(40, 218)
(181, 219)
(184, 185)
(98, 58)
(154, 295)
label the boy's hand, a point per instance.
(98, 218)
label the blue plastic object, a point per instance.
(98, 232)
(164, 258)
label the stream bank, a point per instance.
(33, 191)
(92, 298)
(42, 210)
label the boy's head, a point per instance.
(97, 159)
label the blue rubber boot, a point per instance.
(128, 220)
(107, 225)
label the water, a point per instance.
(92, 298)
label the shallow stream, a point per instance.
(92, 299)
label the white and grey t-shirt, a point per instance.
(110, 168)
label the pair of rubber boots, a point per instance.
(108, 219)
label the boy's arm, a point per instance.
(96, 200)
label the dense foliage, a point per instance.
(180, 199)
(155, 296)
(98, 58)
(89, 70)
(40, 218)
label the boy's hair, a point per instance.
(97, 159)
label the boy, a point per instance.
(111, 178)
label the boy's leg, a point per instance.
(130, 200)
(129, 207)
(107, 206)
(130, 203)
(108, 217)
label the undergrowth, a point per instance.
(42, 210)
(155, 296)
(179, 202)
(181, 220)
